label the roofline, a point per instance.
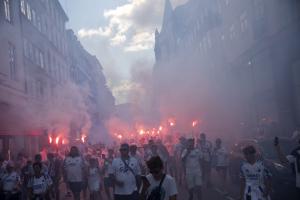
(63, 11)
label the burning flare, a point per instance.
(83, 138)
(142, 132)
(195, 123)
(50, 140)
(57, 140)
(172, 122)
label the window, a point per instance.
(36, 56)
(244, 22)
(39, 25)
(39, 89)
(232, 32)
(12, 62)
(30, 50)
(204, 44)
(42, 63)
(29, 17)
(23, 7)
(209, 40)
(7, 10)
(259, 6)
(200, 47)
(25, 48)
(49, 63)
(33, 15)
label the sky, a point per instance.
(120, 33)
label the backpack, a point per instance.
(156, 192)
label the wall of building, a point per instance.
(36, 73)
(243, 52)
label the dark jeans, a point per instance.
(133, 196)
(76, 188)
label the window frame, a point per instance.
(8, 11)
(12, 55)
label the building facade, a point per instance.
(35, 73)
(86, 72)
(240, 58)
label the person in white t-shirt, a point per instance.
(193, 160)
(178, 149)
(133, 153)
(94, 180)
(39, 184)
(125, 173)
(38, 159)
(255, 177)
(105, 171)
(158, 185)
(10, 183)
(205, 147)
(221, 161)
(293, 159)
(74, 168)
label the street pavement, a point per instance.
(212, 193)
(208, 194)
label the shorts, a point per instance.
(94, 186)
(193, 180)
(76, 187)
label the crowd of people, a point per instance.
(156, 170)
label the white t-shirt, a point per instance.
(206, 150)
(221, 156)
(139, 158)
(74, 168)
(178, 150)
(192, 161)
(123, 174)
(107, 166)
(254, 175)
(94, 179)
(292, 159)
(168, 187)
(10, 181)
(40, 185)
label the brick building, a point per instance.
(240, 59)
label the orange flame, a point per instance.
(50, 140)
(142, 132)
(160, 128)
(120, 137)
(83, 138)
(57, 140)
(171, 122)
(195, 123)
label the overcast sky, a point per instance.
(119, 32)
